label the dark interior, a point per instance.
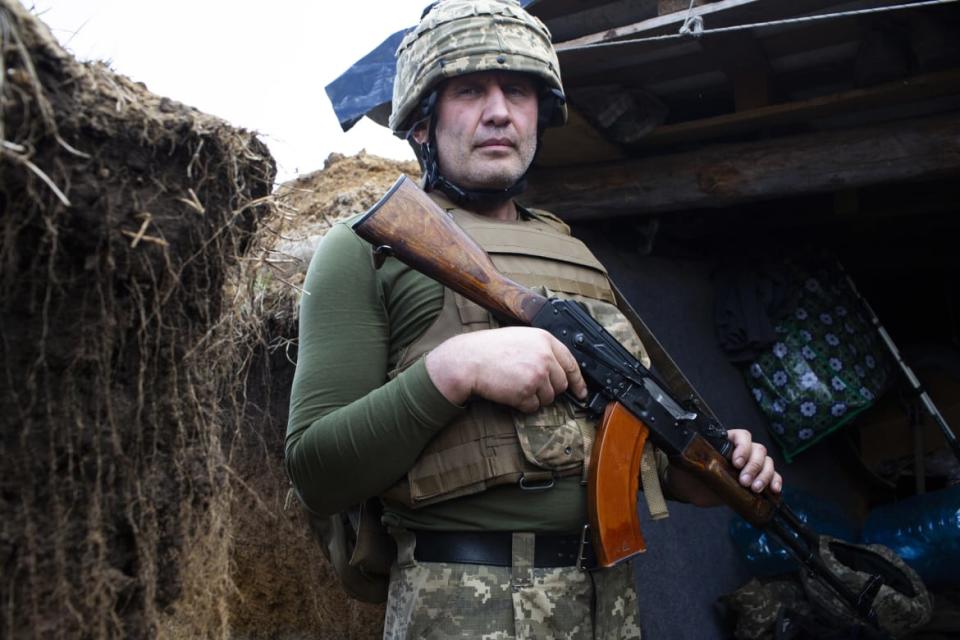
(744, 147)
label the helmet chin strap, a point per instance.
(476, 198)
(460, 195)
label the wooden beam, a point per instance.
(742, 58)
(665, 7)
(724, 13)
(577, 142)
(579, 18)
(931, 85)
(660, 23)
(638, 64)
(724, 175)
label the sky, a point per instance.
(259, 65)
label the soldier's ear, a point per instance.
(421, 132)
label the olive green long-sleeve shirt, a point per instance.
(352, 431)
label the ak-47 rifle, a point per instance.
(406, 224)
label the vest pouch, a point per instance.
(556, 437)
(374, 550)
(560, 436)
(359, 548)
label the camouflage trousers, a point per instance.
(447, 600)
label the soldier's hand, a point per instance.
(522, 367)
(756, 467)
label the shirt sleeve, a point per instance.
(352, 432)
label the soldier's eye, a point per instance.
(517, 90)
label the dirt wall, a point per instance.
(124, 218)
(149, 284)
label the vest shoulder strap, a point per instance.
(550, 219)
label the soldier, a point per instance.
(410, 393)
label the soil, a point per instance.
(148, 326)
(346, 186)
(124, 217)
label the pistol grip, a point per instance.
(612, 485)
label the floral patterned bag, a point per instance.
(827, 365)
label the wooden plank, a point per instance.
(576, 142)
(591, 17)
(743, 60)
(917, 88)
(636, 64)
(637, 61)
(724, 175)
(827, 33)
(809, 44)
(722, 14)
(672, 6)
(645, 27)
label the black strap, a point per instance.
(676, 382)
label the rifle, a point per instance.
(635, 406)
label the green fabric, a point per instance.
(352, 433)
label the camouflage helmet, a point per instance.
(902, 604)
(457, 37)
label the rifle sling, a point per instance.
(676, 382)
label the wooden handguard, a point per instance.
(408, 224)
(612, 486)
(716, 472)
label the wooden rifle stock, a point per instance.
(407, 224)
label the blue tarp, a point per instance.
(366, 88)
(366, 85)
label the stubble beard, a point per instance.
(475, 171)
(494, 177)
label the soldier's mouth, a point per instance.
(496, 142)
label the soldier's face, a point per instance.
(486, 128)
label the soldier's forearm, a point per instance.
(362, 448)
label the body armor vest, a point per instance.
(491, 444)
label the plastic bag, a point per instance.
(925, 531)
(765, 556)
(827, 364)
